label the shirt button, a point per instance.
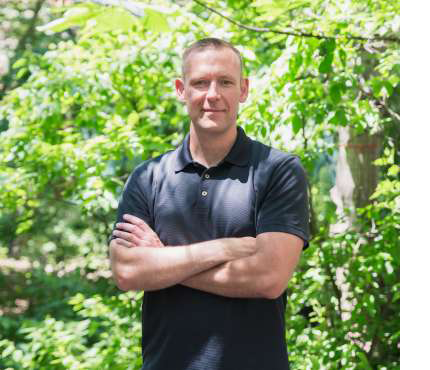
(207, 176)
(204, 193)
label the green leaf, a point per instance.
(297, 124)
(376, 86)
(262, 109)
(325, 65)
(295, 64)
(24, 226)
(19, 63)
(393, 170)
(298, 60)
(79, 14)
(263, 131)
(326, 49)
(335, 93)
(76, 16)
(133, 118)
(388, 87)
(21, 73)
(364, 363)
(155, 21)
(342, 56)
(57, 25)
(340, 118)
(327, 46)
(112, 19)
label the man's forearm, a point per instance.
(265, 274)
(241, 278)
(146, 268)
(254, 268)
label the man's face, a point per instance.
(212, 89)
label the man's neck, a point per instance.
(209, 149)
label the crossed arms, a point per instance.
(233, 267)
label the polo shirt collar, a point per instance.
(183, 159)
(238, 155)
(240, 152)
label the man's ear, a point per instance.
(180, 93)
(244, 89)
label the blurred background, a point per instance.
(87, 93)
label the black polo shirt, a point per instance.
(255, 189)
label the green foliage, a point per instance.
(104, 335)
(91, 109)
(95, 115)
(357, 324)
(18, 20)
(99, 19)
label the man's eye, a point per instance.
(226, 82)
(200, 83)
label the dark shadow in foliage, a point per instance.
(41, 294)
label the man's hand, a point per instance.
(158, 268)
(244, 267)
(136, 233)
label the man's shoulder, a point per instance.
(149, 167)
(268, 156)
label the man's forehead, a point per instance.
(210, 59)
(223, 50)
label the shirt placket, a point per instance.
(204, 195)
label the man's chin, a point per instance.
(211, 125)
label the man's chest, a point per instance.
(203, 204)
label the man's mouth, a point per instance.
(213, 110)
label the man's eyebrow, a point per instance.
(229, 77)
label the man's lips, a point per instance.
(213, 110)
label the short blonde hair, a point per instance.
(210, 42)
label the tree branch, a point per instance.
(21, 45)
(296, 34)
(31, 25)
(337, 291)
(378, 103)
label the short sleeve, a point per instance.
(134, 199)
(284, 206)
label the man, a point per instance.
(212, 231)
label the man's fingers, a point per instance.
(136, 230)
(124, 243)
(136, 221)
(126, 236)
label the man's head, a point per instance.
(212, 85)
(210, 42)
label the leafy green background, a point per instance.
(89, 94)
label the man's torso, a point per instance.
(184, 202)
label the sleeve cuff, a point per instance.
(285, 229)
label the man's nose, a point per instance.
(212, 92)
